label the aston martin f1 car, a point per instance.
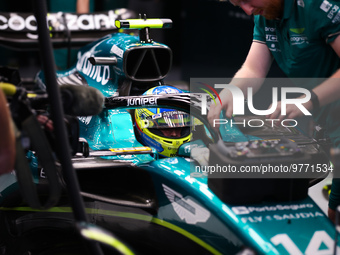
(167, 205)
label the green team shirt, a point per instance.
(299, 43)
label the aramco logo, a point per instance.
(204, 100)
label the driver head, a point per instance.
(164, 129)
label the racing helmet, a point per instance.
(163, 129)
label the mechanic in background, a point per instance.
(7, 138)
(83, 6)
(278, 25)
(64, 58)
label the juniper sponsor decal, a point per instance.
(142, 101)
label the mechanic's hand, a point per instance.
(201, 155)
(215, 110)
(45, 122)
(292, 111)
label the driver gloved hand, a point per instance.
(201, 155)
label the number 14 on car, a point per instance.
(320, 243)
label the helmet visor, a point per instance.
(166, 119)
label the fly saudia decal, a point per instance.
(185, 208)
(99, 73)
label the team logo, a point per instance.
(186, 208)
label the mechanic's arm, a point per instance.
(7, 138)
(83, 6)
(251, 74)
(327, 92)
